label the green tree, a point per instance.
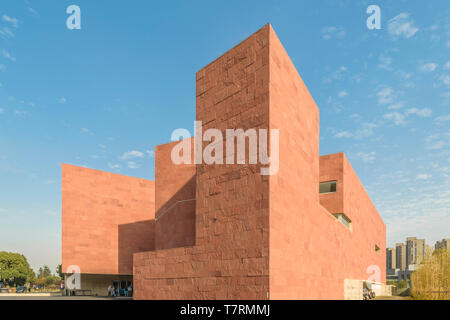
(52, 280)
(14, 269)
(59, 271)
(44, 272)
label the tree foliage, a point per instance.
(45, 278)
(59, 271)
(399, 284)
(432, 280)
(14, 268)
(44, 272)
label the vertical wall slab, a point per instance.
(175, 199)
(294, 194)
(311, 252)
(106, 217)
(369, 230)
(230, 258)
(233, 199)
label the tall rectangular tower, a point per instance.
(415, 250)
(400, 253)
(390, 259)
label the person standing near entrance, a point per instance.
(130, 291)
(109, 290)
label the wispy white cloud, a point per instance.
(342, 94)
(366, 157)
(32, 11)
(113, 166)
(13, 21)
(423, 176)
(425, 112)
(442, 118)
(150, 153)
(21, 113)
(428, 67)
(436, 145)
(431, 137)
(386, 95)
(437, 141)
(404, 75)
(132, 154)
(6, 33)
(366, 130)
(423, 203)
(385, 63)
(344, 134)
(133, 165)
(401, 25)
(5, 54)
(396, 117)
(62, 100)
(445, 78)
(397, 105)
(332, 32)
(85, 131)
(339, 74)
(399, 119)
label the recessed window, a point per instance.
(327, 187)
(344, 220)
(377, 249)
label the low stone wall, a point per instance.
(353, 289)
(382, 289)
(36, 294)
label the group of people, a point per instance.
(115, 292)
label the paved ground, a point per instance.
(392, 298)
(61, 298)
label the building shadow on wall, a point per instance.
(134, 237)
(175, 220)
(173, 227)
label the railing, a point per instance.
(172, 206)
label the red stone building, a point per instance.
(224, 231)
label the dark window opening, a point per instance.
(326, 187)
(344, 220)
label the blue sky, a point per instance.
(106, 95)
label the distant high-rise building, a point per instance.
(400, 254)
(444, 243)
(415, 250)
(390, 259)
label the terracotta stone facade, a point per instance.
(106, 218)
(224, 231)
